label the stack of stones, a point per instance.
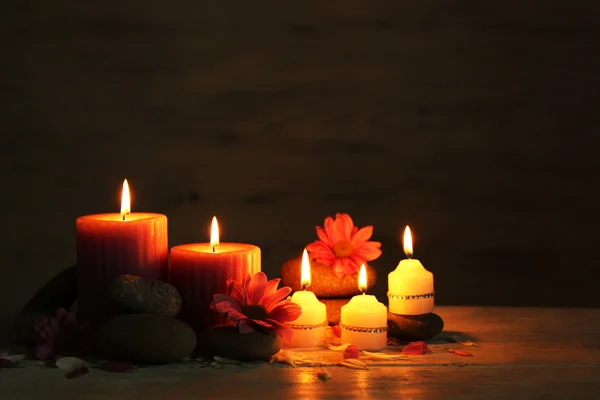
(148, 332)
(331, 290)
(145, 329)
(335, 292)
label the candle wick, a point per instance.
(124, 217)
(215, 248)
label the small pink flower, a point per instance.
(257, 305)
(61, 336)
(343, 245)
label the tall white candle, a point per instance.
(363, 321)
(410, 285)
(310, 327)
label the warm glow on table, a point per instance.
(410, 285)
(309, 327)
(199, 270)
(364, 320)
(109, 245)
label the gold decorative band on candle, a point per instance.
(411, 297)
(363, 330)
(309, 327)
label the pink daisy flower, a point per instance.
(257, 305)
(343, 245)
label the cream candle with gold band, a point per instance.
(310, 327)
(363, 321)
(410, 285)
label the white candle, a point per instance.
(364, 320)
(310, 327)
(410, 285)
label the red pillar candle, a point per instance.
(200, 270)
(109, 245)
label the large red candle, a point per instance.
(109, 245)
(200, 270)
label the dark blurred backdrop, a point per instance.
(473, 121)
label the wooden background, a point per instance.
(474, 122)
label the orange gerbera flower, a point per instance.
(257, 305)
(343, 245)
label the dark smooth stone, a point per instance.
(146, 338)
(334, 307)
(137, 295)
(324, 283)
(414, 327)
(226, 341)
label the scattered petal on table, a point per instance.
(351, 352)
(74, 366)
(415, 348)
(12, 357)
(282, 358)
(460, 353)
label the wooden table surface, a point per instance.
(523, 353)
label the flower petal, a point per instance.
(245, 326)
(317, 246)
(322, 234)
(218, 298)
(357, 261)
(269, 302)
(325, 258)
(415, 348)
(265, 325)
(235, 290)
(283, 330)
(256, 288)
(368, 250)
(363, 235)
(343, 227)
(285, 311)
(329, 226)
(227, 308)
(271, 287)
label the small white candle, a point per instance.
(309, 327)
(410, 285)
(363, 320)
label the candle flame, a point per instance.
(408, 245)
(214, 235)
(362, 278)
(125, 200)
(305, 271)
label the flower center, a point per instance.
(342, 249)
(255, 312)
